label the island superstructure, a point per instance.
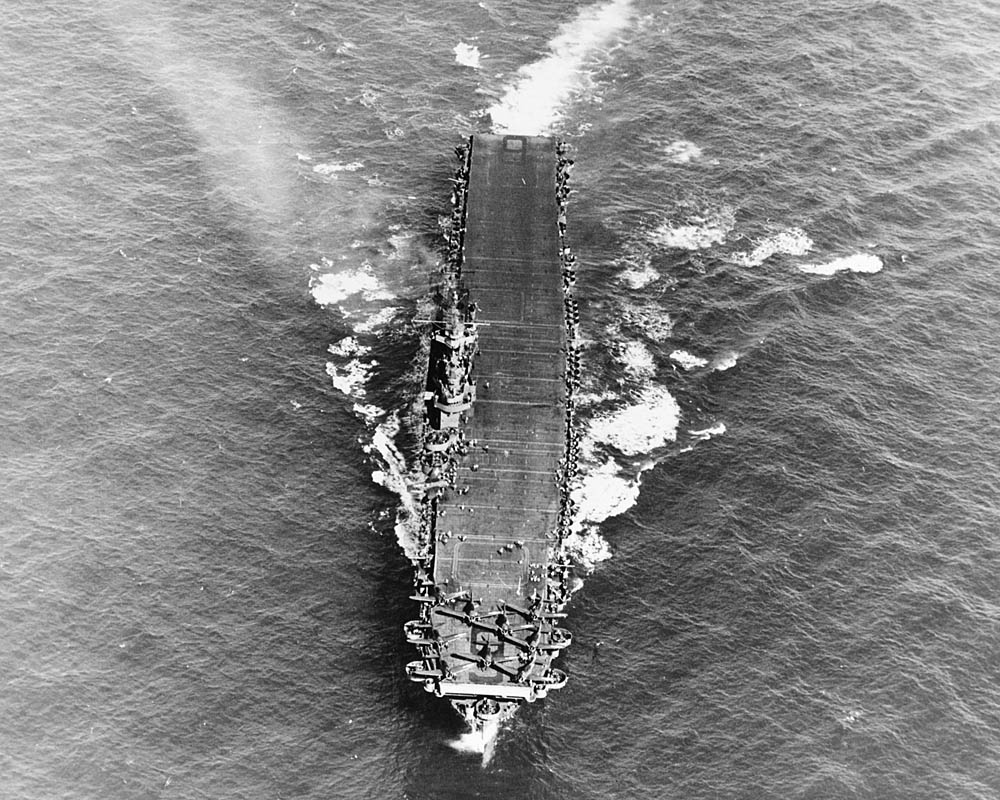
(498, 447)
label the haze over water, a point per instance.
(221, 227)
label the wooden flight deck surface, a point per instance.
(499, 449)
(496, 527)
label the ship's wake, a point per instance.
(481, 741)
(533, 104)
(640, 433)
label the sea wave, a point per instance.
(348, 347)
(637, 359)
(604, 493)
(682, 152)
(696, 231)
(688, 360)
(332, 288)
(859, 262)
(606, 487)
(724, 361)
(637, 428)
(649, 319)
(467, 55)
(705, 434)
(333, 167)
(377, 321)
(793, 242)
(639, 276)
(393, 474)
(533, 104)
(351, 378)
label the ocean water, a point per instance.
(221, 225)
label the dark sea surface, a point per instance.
(785, 215)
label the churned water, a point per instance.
(220, 225)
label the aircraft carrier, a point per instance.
(498, 446)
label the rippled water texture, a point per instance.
(221, 226)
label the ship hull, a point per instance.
(499, 443)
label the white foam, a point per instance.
(605, 489)
(792, 242)
(351, 378)
(639, 277)
(467, 55)
(654, 323)
(593, 398)
(642, 427)
(688, 360)
(368, 412)
(586, 548)
(602, 493)
(333, 288)
(393, 476)
(696, 232)
(725, 361)
(334, 167)
(377, 321)
(715, 430)
(637, 359)
(533, 104)
(402, 243)
(348, 347)
(860, 262)
(480, 742)
(682, 151)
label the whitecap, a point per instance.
(688, 360)
(334, 167)
(394, 477)
(639, 278)
(369, 412)
(377, 321)
(402, 242)
(532, 105)
(695, 233)
(682, 151)
(654, 323)
(637, 359)
(715, 430)
(467, 55)
(649, 423)
(594, 398)
(725, 361)
(860, 262)
(602, 493)
(351, 378)
(332, 288)
(348, 347)
(586, 548)
(792, 242)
